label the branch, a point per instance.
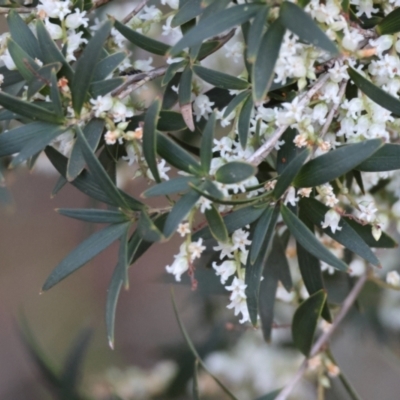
(323, 339)
(258, 156)
(21, 10)
(135, 11)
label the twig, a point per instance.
(135, 11)
(21, 10)
(323, 339)
(258, 156)
(333, 110)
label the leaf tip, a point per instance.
(111, 343)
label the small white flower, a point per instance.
(356, 267)
(291, 196)
(174, 60)
(225, 270)
(73, 42)
(54, 8)
(183, 229)
(162, 171)
(393, 278)
(202, 106)
(178, 267)
(172, 3)
(102, 104)
(195, 249)
(224, 146)
(144, 65)
(8, 61)
(239, 239)
(111, 137)
(367, 213)
(75, 20)
(120, 112)
(54, 30)
(168, 30)
(226, 250)
(151, 13)
(304, 192)
(332, 219)
(205, 204)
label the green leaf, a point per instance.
(387, 158)
(244, 121)
(170, 121)
(390, 24)
(220, 79)
(144, 42)
(179, 211)
(307, 239)
(285, 179)
(28, 110)
(101, 88)
(85, 251)
(94, 215)
(50, 51)
(255, 270)
(206, 152)
(235, 102)
(305, 321)
(85, 66)
(234, 172)
(55, 95)
(148, 230)
(194, 351)
(256, 33)
(365, 231)
(185, 86)
(175, 185)
(10, 77)
(335, 163)
(23, 36)
(375, 93)
(76, 162)
(118, 278)
(233, 221)
(25, 64)
(265, 60)
(270, 396)
(216, 224)
(14, 140)
(172, 71)
(300, 23)
(347, 236)
(36, 144)
(288, 151)
(107, 65)
(191, 9)
(216, 24)
(42, 78)
(176, 156)
(100, 175)
(260, 232)
(150, 138)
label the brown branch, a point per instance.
(21, 10)
(135, 11)
(323, 339)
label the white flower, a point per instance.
(238, 298)
(168, 30)
(111, 137)
(393, 278)
(283, 295)
(328, 268)
(54, 30)
(205, 204)
(226, 250)
(224, 146)
(332, 219)
(239, 239)
(102, 104)
(367, 213)
(202, 106)
(234, 51)
(144, 65)
(319, 113)
(151, 13)
(178, 267)
(118, 38)
(75, 20)
(54, 8)
(291, 196)
(172, 3)
(8, 61)
(301, 140)
(225, 121)
(195, 249)
(1, 79)
(304, 192)
(240, 307)
(174, 60)
(120, 111)
(73, 42)
(183, 229)
(356, 267)
(162, 171)
(225, 270)
(131, 156)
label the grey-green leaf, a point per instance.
(307, 239)
(175, 185)
(93, 215)
(107, 65)
(265, 60)
(335, 163)
(256, 33)
(206, 152)
(300, 23)
(390, 24)
(387, 158)
(244, 121)
(148, 230)
(216, 224)
(220, 79)
(305, 321)
(85, 251)
(234, 172)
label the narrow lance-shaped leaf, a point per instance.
(220, 79)
(170, 121)
(85, 66)
(101, 88)
(260, 232)
(387, 158)
(234, 172)
(307, 239)
(107, 65)
(235, 102)
(55, 95)
(117, 280)
(244, 121)
(94, 215)
(375, 93)
(191, 9)
(206, 152)
(88, 249)
(148, 230)
(172, 71)
(305, 321)
(390, 24)
(345, 235)
(286, 177)
(181, 208)
(216, 24)
(300, 23)
(150, 138)
(25, 64)
(265, 60)
(42, 78)
(142, 41)
(92, 132)
(175, 185)
(335, 163)
(99, 174)
(256, 33)
(184, 95)
(216, 224)
(254, 271)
